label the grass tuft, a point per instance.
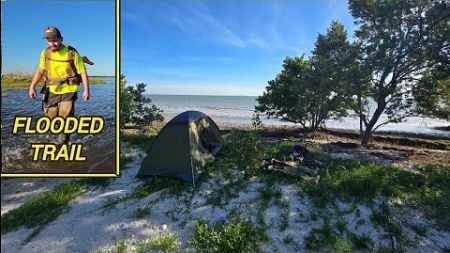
(165, 244)
(142, 139)
(236, 236)
(42, 209)
(355, 181)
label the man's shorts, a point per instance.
(60, 105)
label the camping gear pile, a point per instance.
(297, 165)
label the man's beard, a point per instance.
(55, 48)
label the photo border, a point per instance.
(117, 120)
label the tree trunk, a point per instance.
(366, 137)
(360, 116)
(368, 131)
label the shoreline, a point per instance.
(401, 138)
(409, 129)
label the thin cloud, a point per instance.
(135, 18)
(197, 20)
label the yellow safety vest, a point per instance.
(67, 78)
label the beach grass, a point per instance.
(353, 182)
(142, 212)
(325, 237)
(141, 139)
(167, 243)
(42, 209)
(363, 182)
(235, 236)
(119, 247)
(356, 182)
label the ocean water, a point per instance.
(238, 110)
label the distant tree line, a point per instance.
(399, 61)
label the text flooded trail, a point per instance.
(30, 141)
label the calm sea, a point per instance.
(238, 110)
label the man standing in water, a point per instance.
(63, 70)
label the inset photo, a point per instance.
(58, 92)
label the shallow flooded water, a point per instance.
(99, 149)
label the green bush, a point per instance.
(142, 140)
(433, 195)
(242, 149)
(280, 150)
(356, 181)
(319, 238)
(135, 108)
(237, 236)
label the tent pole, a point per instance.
(192, 173)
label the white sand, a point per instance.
(86, 226)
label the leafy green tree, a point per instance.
(400, 41)
(432, 95)
(310, 91)
(335, 69)
(282, 99)
(135, 108)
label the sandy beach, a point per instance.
(102, 215)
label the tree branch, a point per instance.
(382, 124)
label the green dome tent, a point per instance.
(183, 147)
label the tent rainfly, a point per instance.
(183, 147)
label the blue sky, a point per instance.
(89, 26)
(219, 47)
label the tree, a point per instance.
(400, 41)
(433, 96)
(286, 96)
(336, 69)
(135, 108)
(310, 91)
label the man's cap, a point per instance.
(52, 32)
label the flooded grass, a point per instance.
(22, 80)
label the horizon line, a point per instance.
(221, 95)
